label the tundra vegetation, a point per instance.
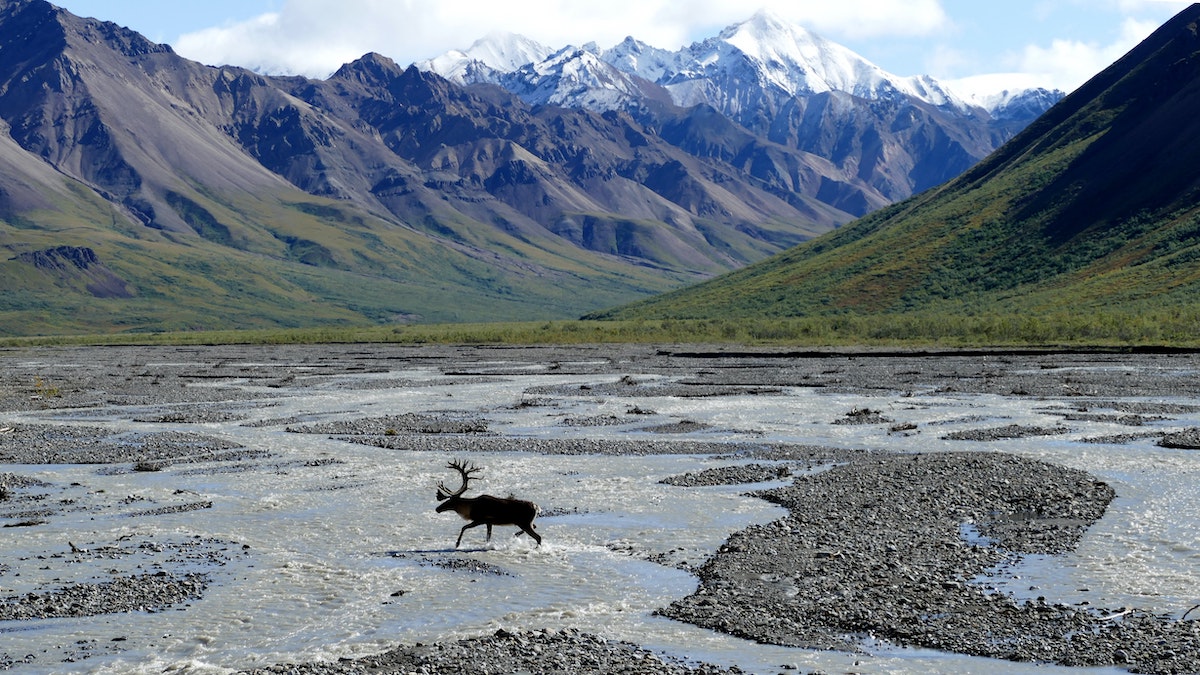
(1168, 327)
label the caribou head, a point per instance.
(485, 509)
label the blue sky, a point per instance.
(1053, 43)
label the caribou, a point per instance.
(485, 509)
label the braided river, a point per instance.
(318, 547)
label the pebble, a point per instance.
(871, 545)
(529, 651)
(853, 559)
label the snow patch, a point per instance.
(764, 55)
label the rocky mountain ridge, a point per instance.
(775, 53)
(780, 81)
(219, 197)
(1090, 214)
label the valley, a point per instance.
(203, 198)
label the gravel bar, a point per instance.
(541, 651)
(879, 545)
(876, 548)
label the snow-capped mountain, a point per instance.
(1026, 104)
(765, 53)
(577, 77)
(770, 53)
(1007, 104)
(488, 58)
(779, 81)
(645, 61)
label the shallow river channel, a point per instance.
(318, 546)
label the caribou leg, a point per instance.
(465, 528)
(528, 529)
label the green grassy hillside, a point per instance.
(1092, 208)
(279, 260)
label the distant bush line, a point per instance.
(1176, 328)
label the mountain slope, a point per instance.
(885, 136)
(1093, 206)
(900, 135)
(785, 58)
(143, 191)
(539, 172)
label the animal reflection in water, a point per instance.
(485, 509)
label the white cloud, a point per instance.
(1066, 64)
(314, 37)
(986, 89)
(861, 18)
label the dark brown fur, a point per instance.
(486, 509)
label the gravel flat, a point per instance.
(872, 544)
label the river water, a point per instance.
(337, 551)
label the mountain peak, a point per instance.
(37, 30)
(637, 57)
(506, 51)
(579, 77)
(1090, 207)
(797, 61)
(496, 53)
(371, 68)
(88, 34)
(770, 50)
(766, 29)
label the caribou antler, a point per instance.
(485, 509)
(467, 470)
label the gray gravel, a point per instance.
(873, 543)
(395, 424)
(558, 652)
(1189, 439)
(1004, 432)
(136, 593)
(875, 547)
(731, 475)
(59, 444)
